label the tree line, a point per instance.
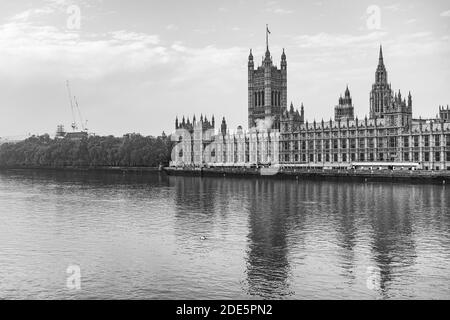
(94, 151)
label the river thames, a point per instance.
(152, 236)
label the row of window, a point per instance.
(259, 98)
(392, 142)
(362, 157)
(369, 133)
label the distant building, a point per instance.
(76, 136)
(60, 132)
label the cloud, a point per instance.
(275, 8)
(172, 27)
(410, 21)
(198, 62)
(445, 13)
(29, 50)
(143, 38)
(32, 51)
(26, 15)
(322, 40)
(392, 7)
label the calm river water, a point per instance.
(139, 237)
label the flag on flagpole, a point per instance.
(268, 31)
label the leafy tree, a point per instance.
(94, 151)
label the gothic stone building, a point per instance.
(198, 144)
(267, 91)
(344, 110)
(389, 137)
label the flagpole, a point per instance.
(267, 37)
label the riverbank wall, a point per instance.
(411, 176)
(84, 169)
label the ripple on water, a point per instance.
(140, 237)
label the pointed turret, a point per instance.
(267, 57)
(223, 127)
(302, 113)
(176, 122)
(347, 93)
(251, 64)
(283, 61)
(380, 58)
(381, 74)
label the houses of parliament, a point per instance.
(279, 135)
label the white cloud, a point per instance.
(172, 27)
(323, 39)
(143, 38)
(26, 15)
(410, 21)
(32, 51)
(275, 8)
(445, 13)
(392, 7)
(29, 51)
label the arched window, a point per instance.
(255, 99)
(279, 98)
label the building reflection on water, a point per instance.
(301, 233)
(272, 218)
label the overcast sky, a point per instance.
(135, 65)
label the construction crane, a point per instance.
(74, 105)
(74, 123)
(83, 124)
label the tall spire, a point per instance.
(381, 62)
(267, 42)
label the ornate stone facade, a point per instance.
(344, 110)
(199, 145)
(267, 91)
(389, 137)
